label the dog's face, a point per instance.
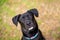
(27, 19)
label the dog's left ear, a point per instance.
(34, 11)
(15, 19)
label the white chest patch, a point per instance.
(31, 28)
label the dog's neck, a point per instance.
(33, 37)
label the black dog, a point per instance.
(29, 25)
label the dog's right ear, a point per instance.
(15, 19)
(34, 11)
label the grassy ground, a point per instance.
(48, 20)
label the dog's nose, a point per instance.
(28, 23)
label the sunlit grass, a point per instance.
(8, 11)
(3, 2)
(5, 28)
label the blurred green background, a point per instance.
(48, 20)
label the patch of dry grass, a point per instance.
(48, 20)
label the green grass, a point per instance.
(1, 19)
(5, 33)
(58, 29)
(3, 2)
(8, 11)
(56, 35)
(5, 10)
(39, 21)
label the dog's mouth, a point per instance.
(30, 28)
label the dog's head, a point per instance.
(27, 19)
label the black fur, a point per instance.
(27, 22)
